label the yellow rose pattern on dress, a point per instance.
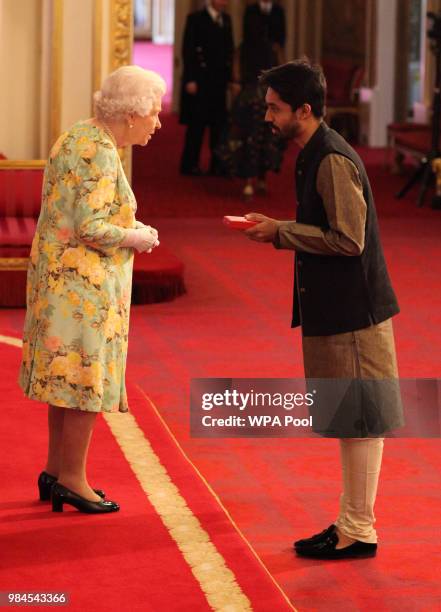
(79, 279)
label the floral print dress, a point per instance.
(79, 279)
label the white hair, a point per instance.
(129, 89)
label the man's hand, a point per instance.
(191, 88)
(265, 230)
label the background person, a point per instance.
(250, 149)
(343, 298)
(79, 280)
(270, 17)
(207, 53)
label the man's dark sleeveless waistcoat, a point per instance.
(337, 294)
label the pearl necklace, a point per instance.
(109, 132)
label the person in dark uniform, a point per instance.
(270, 19)
(343, 299)
(207, 56)
(249, 149)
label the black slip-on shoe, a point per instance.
(45, 483)
(315, 538)
(326, 549)
(61, 495)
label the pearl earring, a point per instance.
(130, 125)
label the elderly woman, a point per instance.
(79, 281)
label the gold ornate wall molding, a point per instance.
(107, 39)
(121, 46)
(121, 33)
(97, 44)
(56, 70)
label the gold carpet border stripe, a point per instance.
(11, 341)
(217, 498)
(217, 581)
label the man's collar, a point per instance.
(316, 136)
(265, 6)
(214, 14)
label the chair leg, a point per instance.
(397, 166)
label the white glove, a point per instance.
(154, 232)
(142, 239)
(140, 224)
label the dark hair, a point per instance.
(298, 82)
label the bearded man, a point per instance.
(343, 297)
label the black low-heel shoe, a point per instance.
(315, 538)
(45, 482)
(61, 495)
(326, 549)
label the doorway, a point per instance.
(154, 22)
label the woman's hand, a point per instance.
(151, 238)
(143, 239)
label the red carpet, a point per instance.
(127, 560)
(234, 321)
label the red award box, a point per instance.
(239, 223)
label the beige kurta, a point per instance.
(362, 354)
(365, 353)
